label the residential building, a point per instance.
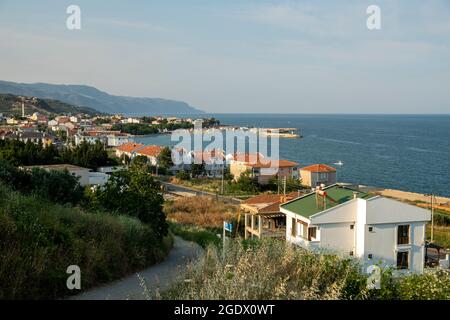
(375, 229)
(317, 174)
(128, 149)
(151, 152)
(80, 172)
(263, 217)
(31, 135)
(117, 139)
(213, 161)
(89, 138)
(261, 168)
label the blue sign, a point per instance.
(228, 226)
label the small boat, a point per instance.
(339, 163)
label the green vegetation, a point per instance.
(441, 235)
(272, 269)
(145, 129)
(12, 104)
(136, 193)
(199, 235)
(24, 154)
(57, 186)
(165, 158)
(39, 240)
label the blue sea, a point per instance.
(406, 152)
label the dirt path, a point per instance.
(159, 275)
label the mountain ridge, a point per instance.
(91, 97)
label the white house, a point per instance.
(375, 229)
(115, 140)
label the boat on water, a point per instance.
(339, 163)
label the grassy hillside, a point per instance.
(12, 104)
(39, 240)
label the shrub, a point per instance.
(57, 186)
(273, 269)
(39, 240)
(201, 236)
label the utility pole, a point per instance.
(223, 168)
(432, 218)
(432, 200)
(284, 185)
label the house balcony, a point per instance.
(264, 226)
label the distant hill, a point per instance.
(12, 104)
(86, 96)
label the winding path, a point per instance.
(157, 276)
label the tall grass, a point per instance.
(201, 211)
(39, 240)
(273, 269)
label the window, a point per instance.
(351, 253)
(323, 176)
(294, 228)
(403, 234)
(370, 229)
(352, 226)
(370, 256)
(402, 260)
(311, 233)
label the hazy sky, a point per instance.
(239, 56)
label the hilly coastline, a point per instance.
(90, 97)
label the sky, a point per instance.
(239, 56)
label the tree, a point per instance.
(247, 183)
(165, 158)
(89, 155)
(197, 169)
(136, 193)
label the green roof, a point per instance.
(307, 205)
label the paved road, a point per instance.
(157, 276)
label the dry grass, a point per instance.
(271, 270)
(200, 211)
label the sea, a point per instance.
(404, 152)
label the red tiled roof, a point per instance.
(248, 157)
(129, 147)
(208, 155)
(151, 151)
(268, 203)
(274, 163)
(319, 168)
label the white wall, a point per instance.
(337, 236)
(382, 244)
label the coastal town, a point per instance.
(303, 205)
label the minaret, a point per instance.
(23, 107)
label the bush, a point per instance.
(199, 235)
(441, 218)
(273, 269)
(183, 175)
(57, 186)
(39, 240)
(134, 192)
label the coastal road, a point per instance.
(157, 276)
